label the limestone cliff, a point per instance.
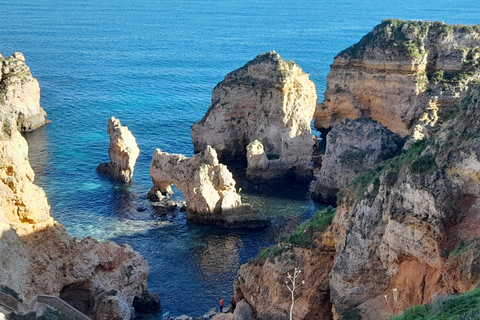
(401, 226)
(123, 152)
(40, 257)
(208, 187)
(353, 147)
(20, 94)
(270, 100)
(410, 223)
(404, 74)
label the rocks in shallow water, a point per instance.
(208, 187)
(270, 100)
(123, 152)
(20, 94)
(353, 147)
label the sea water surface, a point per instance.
(153, 65)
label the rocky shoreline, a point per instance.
(401, 161)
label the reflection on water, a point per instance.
(218, 254)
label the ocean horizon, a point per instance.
(153, 65)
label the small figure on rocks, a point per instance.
(221, 305)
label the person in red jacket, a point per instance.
(221, 305)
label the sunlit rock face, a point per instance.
(353, 147)
(410, 224)
(403, 74)
(270, 100)
(20, 94)
(40, 257)
(262, 283)
(123, 152)
(407, 227)
(208, 187)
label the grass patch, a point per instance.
(269, 253)
(465, 306)
(305, 232)
(461, 248)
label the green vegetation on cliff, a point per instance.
(305, 233)
(465, 306)
(412, 158)
(303, 237)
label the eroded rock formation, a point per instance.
(269, 100)
(261, 282)
(20, 94)
(208, 187)
(123, 152)
(353, 147)
(403, 74)
(410, 224)
(40, 257)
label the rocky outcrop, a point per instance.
(208, 187)
(20, 94)
(261, 282)
(404, 74)
(269, 100)
(410, 224)
(40, 257)
(353, 147)
(123, 152)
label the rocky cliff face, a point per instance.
(20, 94)
(123, 152)
(410, 223)
(353, 147)
(268, 99)
(208, 187)
(404, 74)
(40, 257)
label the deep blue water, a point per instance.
(153, 65)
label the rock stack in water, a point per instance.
(408, 225)
(20, 94)
(123, 152)
(208, 187)
(270, 100)
(38, 256)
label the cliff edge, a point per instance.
(20, 94)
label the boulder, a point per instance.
(243, 311)
(208, 187)
(270, 100)
(20, 94)
(123, 152)
(353, 147)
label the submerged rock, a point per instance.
(208, 187)
(353, 147)
(123, 152)
(20, 94)
(270, 100)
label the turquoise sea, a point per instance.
(153, 65)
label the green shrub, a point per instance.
(461, 248)
(305, 232)
(465, 306)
